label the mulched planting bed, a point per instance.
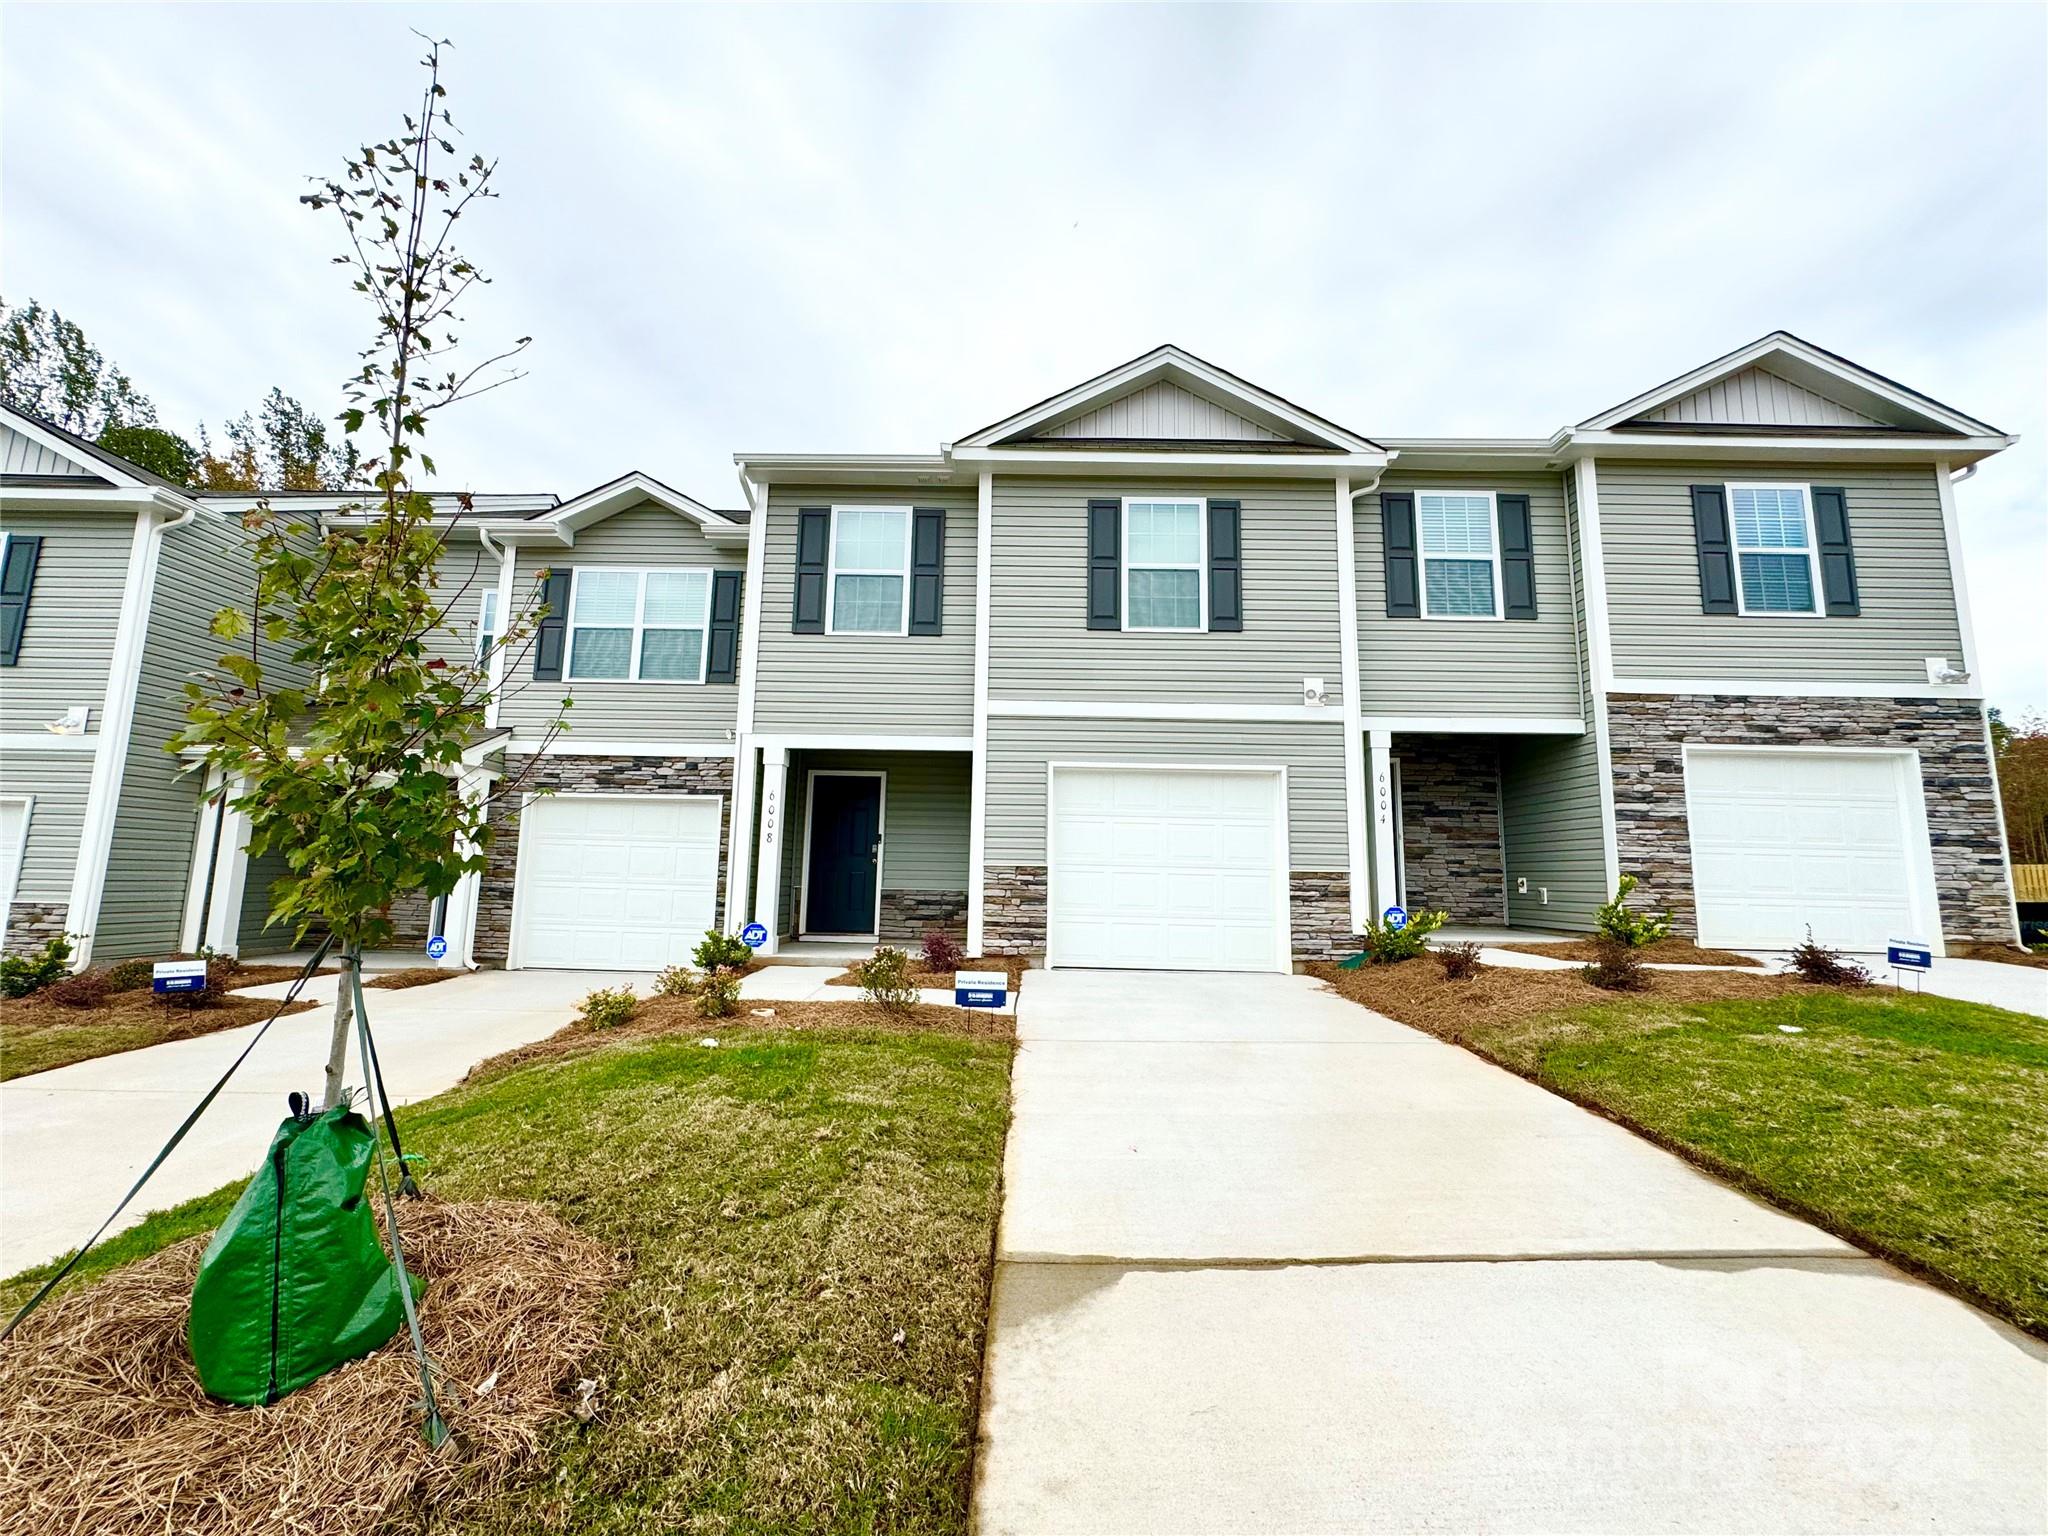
(2004, 954)
(36, 1035)
(1012, 966)
(419, 976)
(1663, 952)
(104, 1426)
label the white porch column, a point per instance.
(231, 873)
(1382, 744)
(739, 847)
(458, 919)
(1356, 857)
(199, 885)
(774, 793)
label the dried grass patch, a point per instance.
(417, 976)
(104, 1427)
(1663, 952)
(36, 1035)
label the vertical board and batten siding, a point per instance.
(23, 455)
(1758, 397)
(68, 642)
(1041, 648)
(1313, 754)
(901, 685)
(57, 783)
(644, 536)
(1426, 666)
(201, 568)
(1653, 580)
(925, 833)
(1163, 411)
(466, 571)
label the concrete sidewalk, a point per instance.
(72, 1140)
(1271, 1262)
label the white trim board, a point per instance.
(1966, 693)
(569, 747)
(977, 802)
(803, 741)
(1092, 709)
(1471, 725)
(1357, 851)
(1600, 651)
(48, 741)
(803, 894)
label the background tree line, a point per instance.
(50, 369)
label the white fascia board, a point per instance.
(1091, 709)
(1476, 454)
(112, 498)
(851, 469)
(630, 490)
(831, 741)
(1878, 448)
(1477, 725)
(36, 432)
(1170, 461)
(1797, 688)
(564, 746)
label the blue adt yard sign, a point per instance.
(753, 935)
(1397, 918)
(437, 947)
(980, 989)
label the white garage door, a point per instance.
(1167, 870)
(615, 882)
(1781, 840)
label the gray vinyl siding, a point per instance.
(904, 685)
(644, 536)
(1551, 831)
(1313, 754)
(1040, 646)
(466, 571)
(925, 825)
(68, 642)
(1472, 667)
(57, 781)
(255, 937)
(1653, 587)
(22, 455)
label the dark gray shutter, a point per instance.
(1226, 567)
(551, 637)
(927, 570)
(1517, 558)
(1105, 567)
(17, 582)
(813, 539)
(1717, 552)
(722, 664)
(1837, 560)
(1397, 537)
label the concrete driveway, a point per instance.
(1270, 1262)
(72, 1140)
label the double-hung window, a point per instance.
(638, 626)
(1776, 558)
(1460, 549)
(1163, 561)
(486, 624)
(869, 585)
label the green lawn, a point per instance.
(1916, 1125)
(811, 1220)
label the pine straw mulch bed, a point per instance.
(418, 976)
(2005, 954)
(104, 1428)
(1415, 992)
(660, 1016)
(1012, 966)
(1663, 952)
(36, 1035)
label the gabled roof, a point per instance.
(1781, 382)
(1170, 398)
(89, 457)
(630, 490)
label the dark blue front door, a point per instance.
(846, 852)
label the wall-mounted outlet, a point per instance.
(1546, 894)
(1521, 885)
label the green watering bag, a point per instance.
(296, 1282)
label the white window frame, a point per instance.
(639, 625)
(1423, 557)
(833, 572)
(486, 624)
(1736, 550)
(1200, 567)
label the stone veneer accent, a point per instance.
(409, 916)
(1646, 733)
(1450, 827)
(1013, 909)
(1319, 907)
(668, 775)
(907, 914)
(32, 924)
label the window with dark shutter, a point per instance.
(1397, 539)
(1226, 567)
(1105, 569)
(927, 570)
(1517, 557)
(551, 635)
(813, 542)
(17, 585)
(723, 663)
(1837, 559)
(1716, 551)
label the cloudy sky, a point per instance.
(877, 229)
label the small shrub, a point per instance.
(722, 952)
(609, 1007)
(1386, 945)
(1618, 968)
(130, 975)
(718, 995)
(942, 952)
(884, 979)
(26, 975)
(1625, 925)
(1827, 967)
(1460, 961)
(675, 981)
(88, 989)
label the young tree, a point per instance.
(351, 775)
